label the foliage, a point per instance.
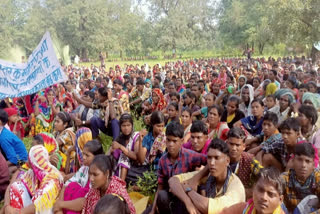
(148, 184)
(122, 29)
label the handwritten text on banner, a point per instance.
(42, 70)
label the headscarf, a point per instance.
(43, 180)
(50, 142)
(271, 89)
(285, 91)
(83, 135)
(245, 80)
(162, 102)
(251, 97)
(11, 111)
(314, 98)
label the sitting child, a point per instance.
(12, 147)
(270, 135)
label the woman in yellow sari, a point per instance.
(65, 137)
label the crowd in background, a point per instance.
(226, 135)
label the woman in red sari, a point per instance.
(102, 182)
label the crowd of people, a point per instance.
(222, 135)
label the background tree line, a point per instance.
(123, 28)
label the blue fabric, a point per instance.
(12, 147)
(204, 111)
(147, 143)
(250, 123)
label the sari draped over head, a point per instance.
(246, 109)
(245, 80)
(40, 185)
(162, 102)
(78, 185)
(223, 80)
(314, 98)
(44, 121)
(52, 147)
(285, 91)
(83, 135)
(66, 139)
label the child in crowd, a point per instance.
(269, 137)
(12, 147)
(209, 101)
(271, 103)
(14, 122)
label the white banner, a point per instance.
(42, 70)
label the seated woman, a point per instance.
(312, 99)
(125, 147)
(190, 101)
(153, 143)
(72, 196)
(66, 139)
(253, 124)
(37, 189)
(173, 113)
(45, 108)
(232, 114)
(246, 97)
(102, 181)
(186, 121)
(217, 129)
(267, 196)
(56, 157)
(157, 102)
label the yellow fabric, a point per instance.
(230, 117)
(271, 88)
(235, 193)
(139, 201)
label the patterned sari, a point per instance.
(78, 186)
(66, 140)
(116, 186)
(40, 185)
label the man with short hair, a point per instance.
(267, 196)
(199, 137)
(302, 180)
(222, 187)
(176, 161)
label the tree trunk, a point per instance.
(261, 47)
(315, 54)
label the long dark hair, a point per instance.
(123, 138)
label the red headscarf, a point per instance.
(11, 111)
(162, 102)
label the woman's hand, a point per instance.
(71, 149)
(54, 159)
(142, 134)
(57, 207)
(116, 145)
